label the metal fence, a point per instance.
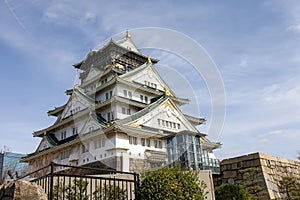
(62, 182)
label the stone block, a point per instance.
(230, 174)
(21, 190)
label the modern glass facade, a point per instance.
(186, 149)
(1, 164)
(11, 161)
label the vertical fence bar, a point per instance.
(106, 184)
(135, 191)
(51, 180)
(138, 186)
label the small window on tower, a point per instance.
(160, 144)
(143, 141)
(108, 116)
(141, 98)
(178, 126)
(148, 141)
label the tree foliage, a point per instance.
(289, 187)
(78, 191)
(252, 180)
(109, 192)
(174, 183)
(231, 192)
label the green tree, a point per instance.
(289, 187)
(252, 181)
(174, 183)
(76, 191)
(231, 192)
(109, 192)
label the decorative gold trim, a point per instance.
(128, 34)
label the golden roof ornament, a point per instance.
(127, 34)
(167, 91)
(149, 60)
(76, 86)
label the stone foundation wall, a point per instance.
(270, 171)
(140, 165)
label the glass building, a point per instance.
(11, 161)
(185, 148)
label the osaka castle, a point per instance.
(122, 115)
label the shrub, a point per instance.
(109, 192)
(169, 184)
(231, 192)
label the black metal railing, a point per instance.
(62, 182)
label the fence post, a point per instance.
(51, 180)
(136, 186)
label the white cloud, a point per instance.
(294, 28)
(284, 95)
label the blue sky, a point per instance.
(255, 45)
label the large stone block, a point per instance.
(22, 190)
(230, 174)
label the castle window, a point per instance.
(129, 95)
(141, 98)
(63, 135)
(160, 144)
(132, 140)
(64, 154)
(148, 141)
(143, 141)
(125, 93)
(108, 116)
(75, 130)
(98, 143)
(123, 110)
(146, 99)
(128, 111)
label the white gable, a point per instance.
(44, 144)
(89, 126)
(92, 74)
(75, 105)
(128, 44)
(148, 77)
(167, 117)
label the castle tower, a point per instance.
(124, 116)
